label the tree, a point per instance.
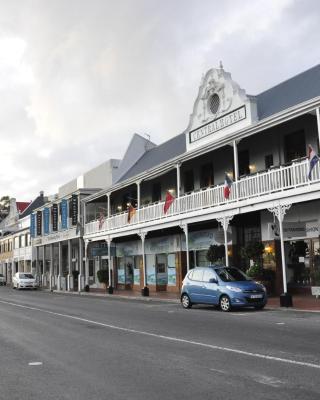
(215, 253)
(4, 207)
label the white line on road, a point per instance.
(35, 363)
(280, 323)
(169, 338)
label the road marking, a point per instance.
(280, 323)
(169, 338)
(35, 363)
(268, 380)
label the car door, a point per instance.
(196, 289)
(211, 290)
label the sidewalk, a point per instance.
(302, 303)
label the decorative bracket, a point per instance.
(184, 227)
(225, 221)
(280, 211)
(142, 235)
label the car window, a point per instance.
(26, 276)
(208, 274)
(231, 275)
(197, 275)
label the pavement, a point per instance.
(300, 302)
(58, 346)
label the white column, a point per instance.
(37, 263)
(44, 282)
(110, 267)
(186, 232)
(70, 280)
(145, 283)
(178, 179)
(59, 266)
(51, 267)
(235, 161)
(224, 221)
(318, 123)
(280, 211)
(86, 272)
(138, 199)
(108, 205)
(80, 262)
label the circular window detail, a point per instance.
(214, 103)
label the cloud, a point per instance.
(79, 77)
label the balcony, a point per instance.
(261, 184)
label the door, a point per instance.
(197, 288)
(211, 290)
(161, 269)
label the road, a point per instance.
(57, 346)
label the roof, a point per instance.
(22, 205)
(157, 155)
(37, 202)
(298, 89)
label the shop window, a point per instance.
(244, 162)
(201, 258)
(268, 161)
(294, 146)
(156, 192)
(206, 175)
(188, 180)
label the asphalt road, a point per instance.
(102, 348)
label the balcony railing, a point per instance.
(260, 184)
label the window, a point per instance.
(207, 275)
(197, 275)
(294, 146)
(244, 162)
(268, 161)
(156, 192)
(206, 177)
(188, 181)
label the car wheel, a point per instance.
(185, 301)
(225, 304)
(260, 307)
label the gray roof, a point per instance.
(291, 92)
(37, 202)
(157, 155)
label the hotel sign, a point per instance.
(218, 124)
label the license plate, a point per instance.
(256, 296)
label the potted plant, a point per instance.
(215, 254)
(103, 277)
(315, 288)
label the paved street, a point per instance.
(102, 348)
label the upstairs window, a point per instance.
(188, 180)
(206, 176)
(294, 146)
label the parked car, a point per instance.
(227, 287)
(2, 280)
(23, 280)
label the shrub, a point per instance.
(215, 253)
(103, 276)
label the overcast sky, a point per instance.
(79, 77)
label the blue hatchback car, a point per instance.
(227, 287)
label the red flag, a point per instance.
(169, 200)
(131, 212)
(227, 186)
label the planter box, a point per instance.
(315, 291)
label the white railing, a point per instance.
(260, 184)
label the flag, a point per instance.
(227, 186)
(101, 220)
(131, 212)
(169, 200)
(313, 159)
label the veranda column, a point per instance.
(145, 290)
(279, 211)
(236, 166)
(138, 183)
(318, 123)
(224, 221)
(186, 232)
(44, 282)
(59, 265)
(86, 269)
(110, 288)
(178, 178)
(81, 274)
(70, 282)
(51, 267)
(108, 205)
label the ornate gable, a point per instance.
(220, 109)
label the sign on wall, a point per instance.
(46, 220)
(74, 209)
(39, 223)
(64, 214)
(32, 225)
(54, 217)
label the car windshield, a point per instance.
(231, 275)
(26, 276)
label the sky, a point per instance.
(79, 77)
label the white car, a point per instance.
(2, 280)
(24, 280)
